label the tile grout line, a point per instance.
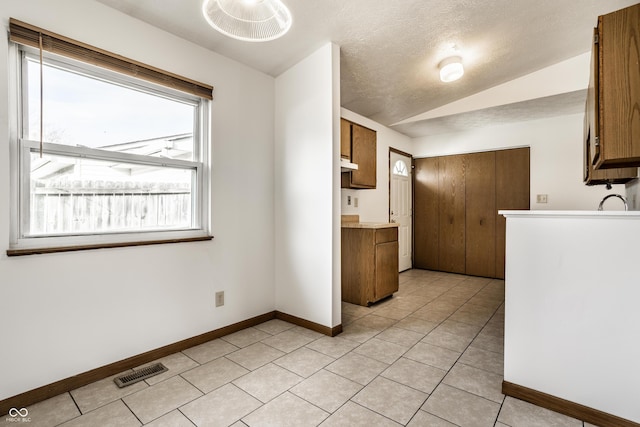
(77, 406)
(133, 413)
(263, 404)
(438, 324)
(368, 409)
(186, 416)
(358, 345)
(500, 410)
(491, 330)
(281, 367)
(465, 349)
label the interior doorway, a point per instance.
(400, 203)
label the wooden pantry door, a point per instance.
(456, 201)
(512, 193)
(480, 214)
(426, 213)
(451, 207)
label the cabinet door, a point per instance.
(480, 221)
(618, 91)
(426, 214)
(512, 193)
(451, 237)
(593, 101)
(345, 139)
(358, 259)
(363, 153)
(386, 270)
(591, 175)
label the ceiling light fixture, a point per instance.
(248, 20)
(451, 69)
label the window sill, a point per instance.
(50, 250)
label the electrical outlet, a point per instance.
(541, 198)
(219, 299)
(355, 202)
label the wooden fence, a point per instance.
(128, 208)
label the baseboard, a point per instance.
(332, 332)
(65, 385)
(575, 410)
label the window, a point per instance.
(400, 168)
(103, 159)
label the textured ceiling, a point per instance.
(540, 108)
(390, 49)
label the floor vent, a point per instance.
(140, 374)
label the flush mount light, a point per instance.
(451, 69)
(248, 20)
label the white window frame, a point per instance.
(20, 149)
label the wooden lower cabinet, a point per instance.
(369, 264)
(456, 201)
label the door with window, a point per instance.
(400, 209)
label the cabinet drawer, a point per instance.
(386, 235)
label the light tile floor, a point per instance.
(432, 355)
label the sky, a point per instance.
(84, 111)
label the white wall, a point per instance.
(632, 190)
(373, 204)
(306, 181)
(571, 316)
(556, 157)
(66, 313)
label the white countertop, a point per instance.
(571, 214)
(369, 225)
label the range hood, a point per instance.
(347, 166)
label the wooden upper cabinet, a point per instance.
(616, 90)
(592, 176)
(345, 139)
(363, 152)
